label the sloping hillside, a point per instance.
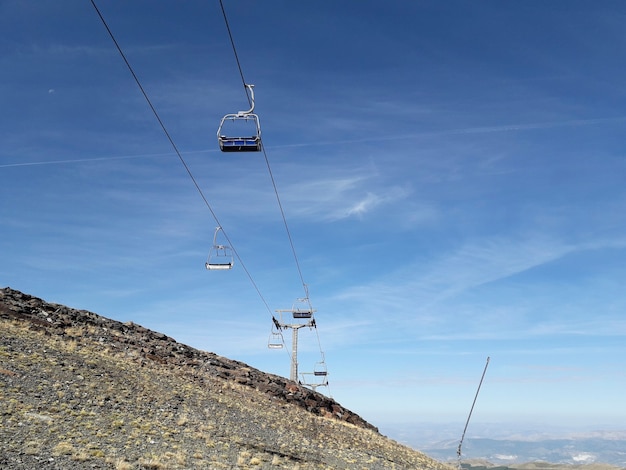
(82, 391)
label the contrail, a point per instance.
(83, 160)
(469, 130)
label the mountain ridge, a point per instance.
(158, 347)
(83, 391)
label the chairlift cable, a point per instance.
(232, 43)
(282, 213)
(154, 111)
(178, 153)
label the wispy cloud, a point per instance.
(473, 264)
(341, 197)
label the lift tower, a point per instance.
(302, 315)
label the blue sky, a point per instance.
(452, 175)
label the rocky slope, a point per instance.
(82, 391)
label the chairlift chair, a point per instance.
(275, 341)
(302, 308)
(240, 132)
(320, 377)
(299, 313)
(320, 369)
(220, 256)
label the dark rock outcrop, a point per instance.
(141, 344)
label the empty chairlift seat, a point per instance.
(247, 143)
(320, 370)
(302, 308)
(300, 313)
(220, 256)
(275, 341)
(240, 132)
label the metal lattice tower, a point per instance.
(298, 314)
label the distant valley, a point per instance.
(513, 448)
(568, 451)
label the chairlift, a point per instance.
(320, 375)
(299, 313)
(320, 369)
(302, 308)
(275, 341)
(240, 132)
(220, 256)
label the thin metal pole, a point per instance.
(458, 452)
